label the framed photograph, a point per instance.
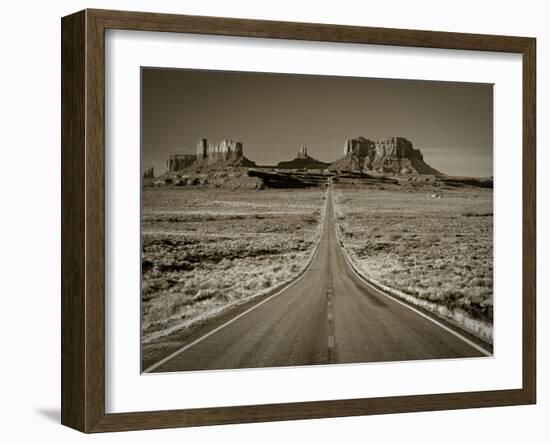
(271, 220)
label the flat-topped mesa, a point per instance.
(356, 150)
(396, 147)
(221, 150)
(397, 155)
(179, 162)
(221, 154)
(389, 155)
(149, 172)
(359, 146)
(302, 161)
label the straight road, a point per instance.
(328, 315)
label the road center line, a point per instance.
(330, 322)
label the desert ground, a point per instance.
(207, 250)
(431, 246)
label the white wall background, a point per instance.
(30, 216)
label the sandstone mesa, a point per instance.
(223, 164)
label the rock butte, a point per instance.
(390, 155)
(302, 161)
(149, 172)
(221, 154)
(392, 160)
(179, 162)
(394, 155)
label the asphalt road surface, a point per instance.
(328, 315)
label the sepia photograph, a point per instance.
(298, 220)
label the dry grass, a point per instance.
(437, 250)
(206, 250)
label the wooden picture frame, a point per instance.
(83, 220)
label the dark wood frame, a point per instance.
(83, 216)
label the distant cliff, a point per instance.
(390, 155)
(149, 173)
(179, 162)
(302, 161)
(394, 155)
(224, 153)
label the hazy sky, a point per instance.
(273, 114)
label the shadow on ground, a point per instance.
(51, 414)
